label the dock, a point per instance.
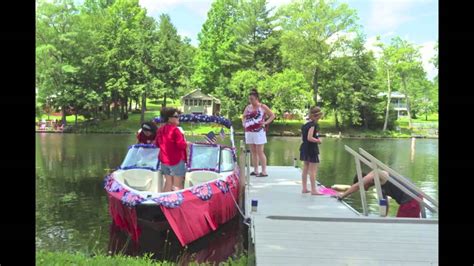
(291, 228)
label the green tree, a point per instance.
(313, 30)
(257, 44)
(215, 60)
(234, 96)
(56, 61)
(348, 88)
(286, 91)
(408, 66)
(167, 57)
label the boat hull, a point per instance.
(191, 213)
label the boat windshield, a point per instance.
(204, 157)
(144, 156)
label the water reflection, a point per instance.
(159, 240)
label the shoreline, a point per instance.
(281, 134)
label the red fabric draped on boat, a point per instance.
(195, 217)
(123, 216)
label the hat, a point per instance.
(146, 127)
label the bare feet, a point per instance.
(316, 193)
(305, 191)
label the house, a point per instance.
(196, 102)
(398, 102)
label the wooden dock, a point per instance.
(291, 228)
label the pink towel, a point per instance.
(328, 191)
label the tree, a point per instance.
(55, 60)
(215, 59)
(257, 44)
(286, 91)
(234, 96)
(408, 65)
(167, 57)
(315, 29)
(347, 86)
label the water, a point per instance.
(71, 204)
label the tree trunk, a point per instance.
(315, 86)
(164, 101)
(123, 108)
(366, 123)
(136, 103)
(115, 112)
(63, 111)
(142, 116)
(404, 82)
(337, 121)
(388, 101)
(107, 109)
(129, 104)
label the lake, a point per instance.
(72, 210)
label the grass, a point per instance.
(278, 127)
(48, 258)
(69, 119)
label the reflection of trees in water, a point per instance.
(160, 240)
(68, 166)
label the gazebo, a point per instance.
(196, 102)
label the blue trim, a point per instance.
(202, 119)
(139, 167)
(146, 146)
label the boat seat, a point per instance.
(200, 177)
(138, 179)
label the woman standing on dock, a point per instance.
(309, 150)
(255, 125)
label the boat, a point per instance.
(208, 200)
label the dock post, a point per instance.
(242, 176)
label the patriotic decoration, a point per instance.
(211, 137)
(173, 200)
(201, 118)
(222, 134)
(203, 192)
(131, 199)
(222, 185)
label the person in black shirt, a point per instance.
(309, 150)
(409, 207)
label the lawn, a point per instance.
(47, 258)
(278, 127)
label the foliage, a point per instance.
(95, 59)
(313, 33)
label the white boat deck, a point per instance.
(291, 228)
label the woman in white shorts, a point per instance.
(253, 121)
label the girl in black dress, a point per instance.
(309, 150)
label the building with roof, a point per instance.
(197, 102)
(398, 102)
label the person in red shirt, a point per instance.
(173, 145)
(147, 133)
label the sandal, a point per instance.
(253, 173)
(261, 175)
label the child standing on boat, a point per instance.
(173, 155)
(309, 150)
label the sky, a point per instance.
(413, 20)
